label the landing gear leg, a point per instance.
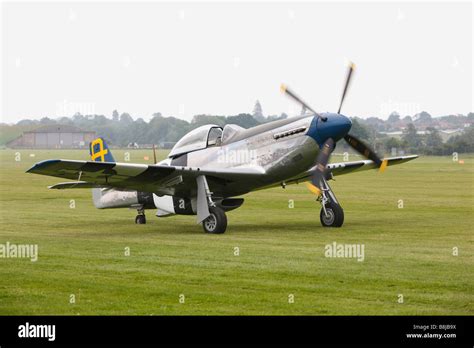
(212, 217)
(140, 219)
(331, 214)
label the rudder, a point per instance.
(99, 151)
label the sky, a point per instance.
(183, 59)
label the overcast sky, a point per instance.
(183, 59)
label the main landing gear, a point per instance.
(332, 214)
(140, 219)
(216, 222)
(212, 217)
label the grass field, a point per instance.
(408, 251)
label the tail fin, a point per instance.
(99, 151)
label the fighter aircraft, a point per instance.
(210, 167)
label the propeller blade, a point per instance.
(321, 163)
(346, 86)
(303, 111)
(287, 91)
(365, 151)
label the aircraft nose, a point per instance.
(339, 125)
(336, 127)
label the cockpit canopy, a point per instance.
(197, 139)
(230, 131)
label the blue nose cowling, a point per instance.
(336, 127)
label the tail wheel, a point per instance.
(216, 222)
(334, 216)
(140, 219)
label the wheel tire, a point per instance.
(140, 219)
(335, 215)
(216, 223)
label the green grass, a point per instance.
(81, 251)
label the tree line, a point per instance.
(121, 130)
(429, 143)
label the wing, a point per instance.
(342, 168)
(356, 166)
(160, 179)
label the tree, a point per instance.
(270, 118)
(360, 131)
(47, 120)
(394, 117)
(115, 116)
(65, 120)
(412, 138)
(200, 120)
(422, 117)
(243, 120)
(100, 120)
(463, 142)
(434, 142)
(257, 112)
(126, 118)
(433, 139)
(392, 143)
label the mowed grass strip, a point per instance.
(407, 251)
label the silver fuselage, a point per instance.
(280, 159)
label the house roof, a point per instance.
(58, 128)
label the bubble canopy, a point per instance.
(197, 139)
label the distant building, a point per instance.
(394, 134)
(448, 133)
(444, 133)
(53, 137)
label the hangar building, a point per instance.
(53, 137)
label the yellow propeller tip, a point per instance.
(313, 189)
(383, 166)
(283, 88)
(352, 65)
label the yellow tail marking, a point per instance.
(383, 166)
(313, 189)
(101, 153)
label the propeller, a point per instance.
(354, 142)
(323, 158)
(305, 106)
(321, 163)
(324, 155)
(365, 151)
(350, 69)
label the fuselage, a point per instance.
(281, 149)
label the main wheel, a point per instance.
(140, 219)
(215, 223)
(335, 215)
